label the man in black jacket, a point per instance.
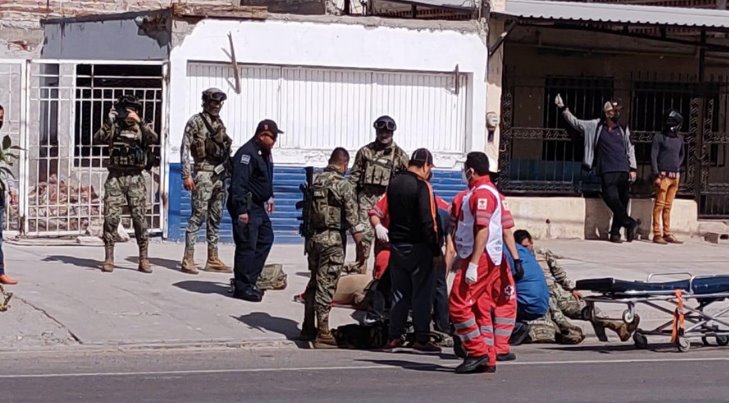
(416, 246)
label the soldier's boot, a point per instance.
(188, 262)
(622, 329)
(108, 265)
(308, 328)
(324, 338)
(214, 264)
(144, 265)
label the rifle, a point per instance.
(305, 206)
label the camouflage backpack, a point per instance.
(272, 278)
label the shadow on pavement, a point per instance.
(80, 262)
(415, 366)
(158, 262)
(610, 348)
(204, 287)
(303, 274)
(265, 322)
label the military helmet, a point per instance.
(673, 119)
(385, 122)
(214, 94)
(129, 101)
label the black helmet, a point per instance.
(129, 101)
(213, 94)
(385, 122)
(673, 120)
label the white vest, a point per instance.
(464, 229)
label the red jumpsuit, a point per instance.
(473, 306)
(382, 249)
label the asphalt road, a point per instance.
(588, 373)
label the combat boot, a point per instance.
(188, 262)
(214, 264)
(324, 338)
(144, 265)
(308, 329)
(622, 329)
(108, 265)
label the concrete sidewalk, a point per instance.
(64, 301)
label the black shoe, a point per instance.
(458, 348)
(473, 365)
(249, 295)
(520, 333)
(506, 357)
(615, 239)
(631, 231)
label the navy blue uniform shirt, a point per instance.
(252, 172)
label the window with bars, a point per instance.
(584, 96)
(97, 88)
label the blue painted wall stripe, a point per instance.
(286, 181)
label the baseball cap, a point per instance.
(422, 155)
(268, 125)
(610, 105)
(492, 165)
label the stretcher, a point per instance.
(685, 301)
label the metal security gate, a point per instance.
(65, 171)
(539, 155)
(13, 102)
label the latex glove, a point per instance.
(270, 206)
(112, 115)
(518, 270)
(472, 273)
(558, 101)
(381, 233)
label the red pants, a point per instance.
(382, 259)
(504, 310)
(471, 308)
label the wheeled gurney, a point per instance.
(685, 300)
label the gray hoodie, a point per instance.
(590, 131)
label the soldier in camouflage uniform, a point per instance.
(333, 211)
(565, 302)
(128, 139)
(206, 141)
(374, 165)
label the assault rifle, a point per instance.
(305, 205)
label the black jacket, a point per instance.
(252, 172)
(413, 212)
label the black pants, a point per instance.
(380, 293)
(253, 242)
(412, 276)
(441, 319)
(616, 194)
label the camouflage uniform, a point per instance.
(373, 168)
(209, 193)
(563, 305)
(333, 210)
(125, 183)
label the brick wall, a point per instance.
(28, 13)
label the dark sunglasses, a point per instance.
(391, 126)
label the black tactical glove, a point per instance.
(518, 270)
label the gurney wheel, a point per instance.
(628, 316)
(683, 344)
(722, 340)
(587, 313)
(640, 340)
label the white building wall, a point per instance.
(326, 82)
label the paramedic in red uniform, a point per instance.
(483, 283)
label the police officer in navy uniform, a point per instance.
(250, 201)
